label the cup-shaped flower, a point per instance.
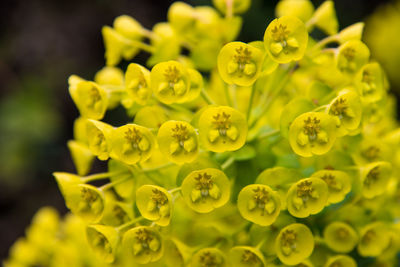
(116, 212)
(352, 56)
(259, 204)
(143, 244)
(244, 256)
(294, 244)
(90, 99)
(240, 63)
(347, 110)
(85, 201)
(370, 82)
(206, 189)
(103, 240)
(222, 128)
(374, 239)
(340, 237)
(307, 196)
(176, 253)
(137, 82)
(312, 133)
(339, 184)
(209, 257)
(302, 9)
(375, 178)
(120, 170)
(178, 141)
(286, 39)
(170, 82)
(109, 77)
(132, 143)
(99, 138)
(341, 260)
(155, 204)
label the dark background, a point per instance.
(42, 42)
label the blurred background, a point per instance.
(42, 42)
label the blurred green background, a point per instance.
(42, 42)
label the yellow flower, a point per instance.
(307, 196)
(294, 244)
(312, 133)
(340, 237)
(285, 39)
(209, 257)
(339, 184)
(222, 129)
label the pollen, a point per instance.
(261, 196)
(330, 180)
(342, 233)
(180, 133)
(349, 53)
(222, 122)
(339, 107)
(207, 259)
(371, 153)
(305, 190)
(288, 241)
(242, 56)
(133, 136)
(204, 182)
(372, 176)
(159, 198)
(143, 236)
(172, 74)
(280, 33)
(311, 127)
(249, 257)
(88, 195)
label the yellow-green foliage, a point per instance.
(278, 152)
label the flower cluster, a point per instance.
(277, 152)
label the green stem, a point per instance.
(174, 190)
(112, 184)
(129, 224)
(142, 46)
(323, 43)
(206, 97)
(269, 134)
(253, 90)
(261, 243)
(228, 163)
(228, 95)
(158, 167)
(100, 176)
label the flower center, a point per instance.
(288, 241)
(172, 75)
(261, 196)
(133, 136)
(339, 107)
(203, 182)
(342, 233)
(120, 214)
(305, 190)
(372, 176)
(180, 133)
(368, 236)
(159, 198)
(208, 260)
(349, 53)
(88, 195)
(249, 257)
(222, 122)
(371, 153)
(280, 33)
(311, 128)
(94, 97)
(242, 56)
